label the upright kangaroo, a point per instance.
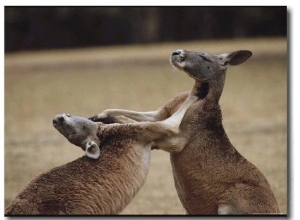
(211, 177)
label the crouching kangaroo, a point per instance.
(104, 181)
(211, 177)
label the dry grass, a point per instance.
(84, 82)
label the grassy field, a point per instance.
(83, 82)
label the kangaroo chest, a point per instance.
(192, 189)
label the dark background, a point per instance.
(32, 28)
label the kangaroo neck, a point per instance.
(207, 91)
(210, 88)
(208, 111)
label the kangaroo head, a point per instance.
(206, 68)
(80, 132)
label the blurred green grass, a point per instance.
(83, 82)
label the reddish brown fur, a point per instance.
(211, 177)
(209, 171)
(102, 186)
(86, 186)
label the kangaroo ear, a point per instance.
(235, 58)
(92, 150)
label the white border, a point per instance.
(294, 15)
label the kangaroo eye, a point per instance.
(204, 58)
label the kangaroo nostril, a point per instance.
(177, 52)
(61, 119)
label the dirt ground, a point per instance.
(83, 82)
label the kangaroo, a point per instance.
(109, 176)
(211, 177)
